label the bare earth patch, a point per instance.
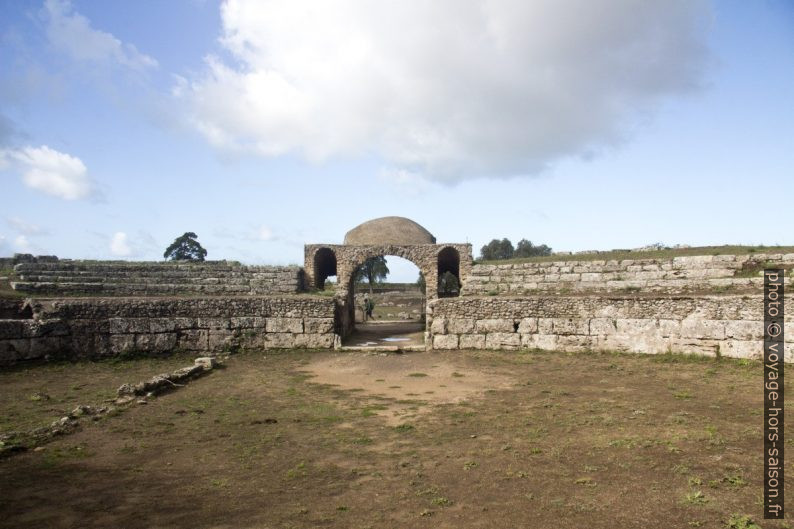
(401, 381)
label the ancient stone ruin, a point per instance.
(710, 304)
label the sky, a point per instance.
(263, 125)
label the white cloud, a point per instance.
(71, 33)
(22, 245)
(119, 246)
(263, 233)
(52, 172)
(23, 227)
(142, 245)
(448, 89)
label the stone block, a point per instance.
(127, 325)
(445, 341)
(284, 325)
(122, 343)
(279, 340)
(472, 341)
(602, 326)
(156, 343)
(670, 328)
(11, 329)
(193, 340)
(206, 362)
(460, 325)
(745, 330)
(318, 325)
(573, 343)
(159, 325)
(494, 326)
(545, 326)
(46, 346)
(247, 322)
(438, 325)
(546, 342)
(635, 326)
(216, 324)
(564, 326)
(703, 329)
(752, 349)
(314, 340)
(220, 340)
(528, 326)
(502, 340)
(696, 346)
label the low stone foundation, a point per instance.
(727, 325)
(99, 327)
(730, 326)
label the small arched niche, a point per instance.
(324, 266)
(449, 284)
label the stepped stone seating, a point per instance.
(121, 278)
(716, 273)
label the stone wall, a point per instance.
(98, 327)
(726, 273)
(730, 326)
(122, 278)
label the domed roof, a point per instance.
(389, 230)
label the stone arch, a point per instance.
(325, 265)
(449, 261)
(384, 236)
(351, 257)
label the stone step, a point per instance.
(152, 267)
(250, 279)
(143, 289)
(382, 348)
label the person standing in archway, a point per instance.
(370, 306)
(365, 308)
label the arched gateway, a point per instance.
(380, 237)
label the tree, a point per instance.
(185, 248)
(373, 271)
(421, 282)
(496, 250)
(525, 248)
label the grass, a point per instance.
(620, 255)
(35, 395)
(260, 432)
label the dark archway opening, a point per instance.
(396, 295)
(449, 272)
(324, 266)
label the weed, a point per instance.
(734, 480)
(741, 522)
(696, 498)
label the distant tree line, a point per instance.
(497, 250)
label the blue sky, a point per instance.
(265, 125)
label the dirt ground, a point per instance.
(397, 333)
(442, 440)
